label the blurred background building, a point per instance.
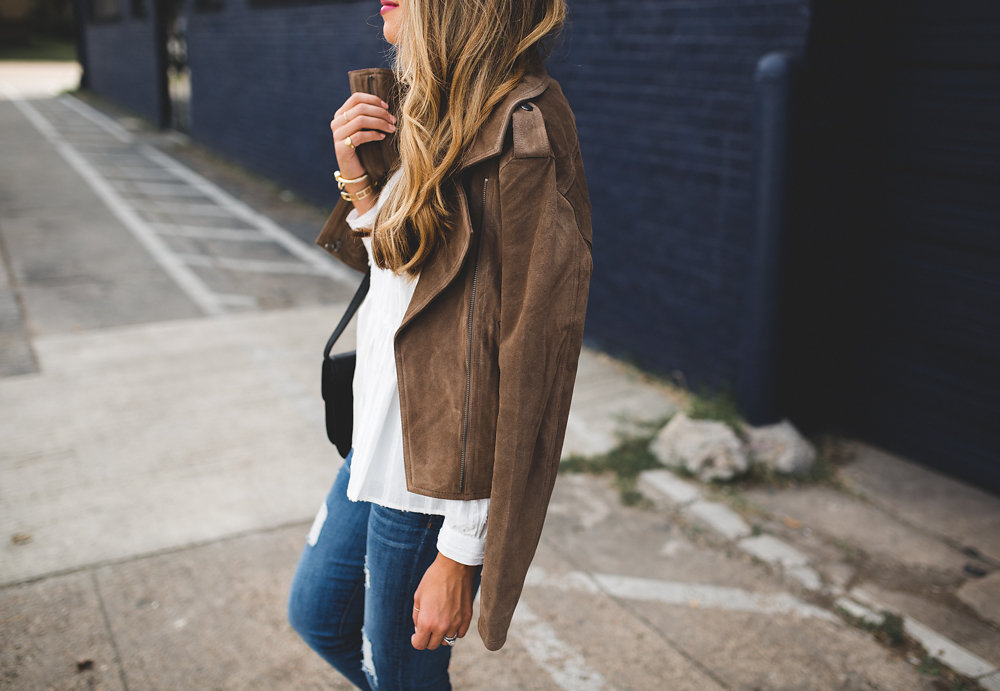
(796, 202)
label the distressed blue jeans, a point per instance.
(352, 595)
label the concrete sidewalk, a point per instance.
(163, 455)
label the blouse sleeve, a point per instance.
(463, 533)
(365, 220)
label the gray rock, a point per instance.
(707, 449)
(781, 448)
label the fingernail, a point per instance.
(381, 135)
(384, 104)
(393, 118)
(392, 128)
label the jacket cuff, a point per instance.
(465, 549)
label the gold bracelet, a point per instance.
(361, 194)
(341, 180)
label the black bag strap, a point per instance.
(359, 296)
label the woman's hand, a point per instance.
(363, 118)
(442, 605)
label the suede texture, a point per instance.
(487, 352)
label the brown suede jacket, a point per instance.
(487, 352)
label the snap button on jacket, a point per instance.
(487, 352)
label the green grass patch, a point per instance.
(931, 666)
(832, 452)
(629, 458)
(38, 47)
(889, 630)
(720, 406)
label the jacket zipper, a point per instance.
(468, 358)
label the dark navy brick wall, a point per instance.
(266, 80)
(662, 91)
(122, 62)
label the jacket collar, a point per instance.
(489, 139)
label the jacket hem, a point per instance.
(438, 494)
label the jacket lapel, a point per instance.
(447, 261)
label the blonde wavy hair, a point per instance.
(455, 60)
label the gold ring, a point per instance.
(349, 142)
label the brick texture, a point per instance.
(266, 80)
(122, 62)
(662, 91)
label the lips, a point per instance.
(389, 5)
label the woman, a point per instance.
(479, 247)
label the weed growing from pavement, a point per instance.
(930, 666)
(629, 458)
(720, 406)
(832, 451)
(890, 631)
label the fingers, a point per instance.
(430, 633)
(366, 110)
(363, 122)
(357, 99)
(361, 97)
(420, 638)
(362, 112)
(359, 124)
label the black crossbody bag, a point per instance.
(338, 379)
(377, 158)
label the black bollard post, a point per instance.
(757, 380)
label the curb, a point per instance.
(667, 491)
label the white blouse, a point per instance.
(377, 472)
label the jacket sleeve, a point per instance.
(545, 262)
(337, 238)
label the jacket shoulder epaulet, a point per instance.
(530, 138)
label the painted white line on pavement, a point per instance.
(182, 275)
(137, 173)
(235, 300)
(33, 116)
(184, 208)
(679, 492)
(99, 119)
(684, 594)
(990, 682)
(773, 550)
(325, 264)
(948, 651)
(567, 667)
(719, 518)
(237, 234)
(166, 189)
(252, 265)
